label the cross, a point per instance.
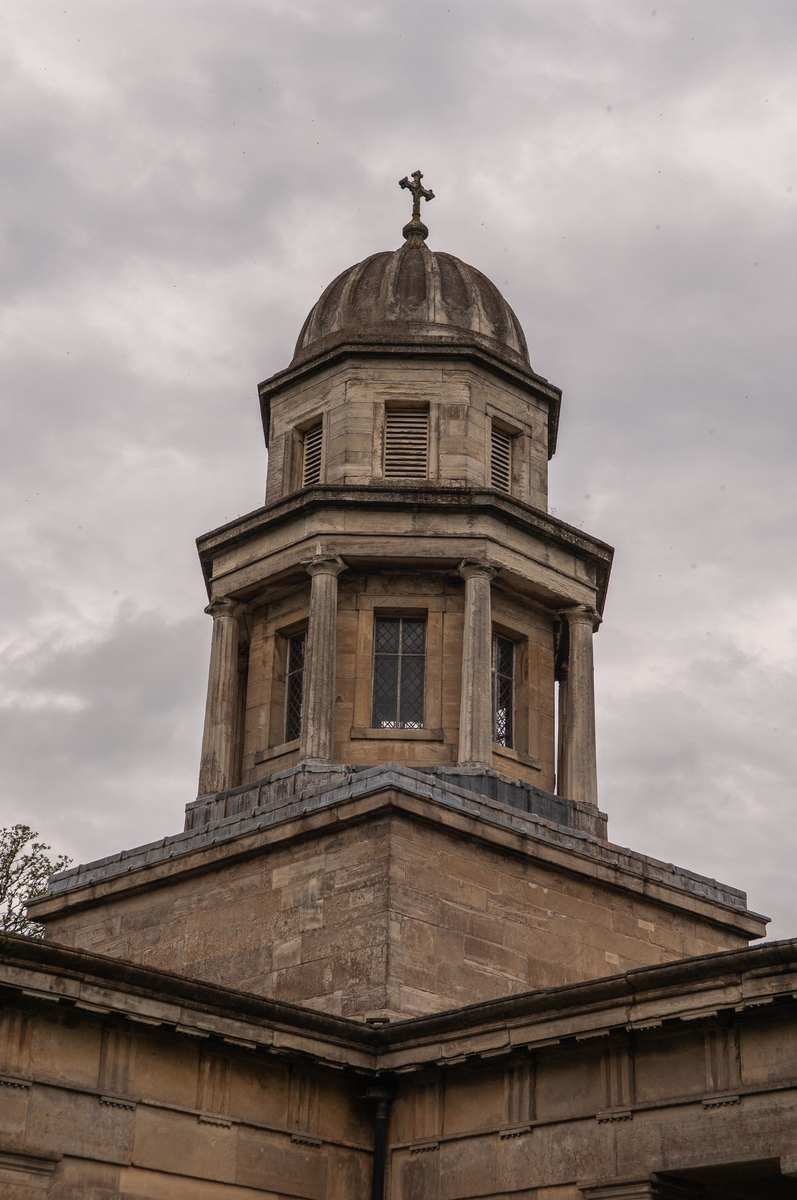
(418, 190)
(416, 225)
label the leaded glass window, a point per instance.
(399, 672)
(294, 686)
(503, 688)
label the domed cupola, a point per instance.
(413, 295)
(404, 592)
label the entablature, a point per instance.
(416, 527)
(732, 981)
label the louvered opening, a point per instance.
(311, 455)
(406, 443)
(501, 460)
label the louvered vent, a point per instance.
(501, 460)
(406, 443)
(311, 457)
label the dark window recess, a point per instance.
(311, 455)
(406, 443)
(503, 688)
(294, 686)
(501, 460)
(399, 672)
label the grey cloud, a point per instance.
(179, 186)
(98, 746)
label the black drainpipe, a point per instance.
(381, 1098)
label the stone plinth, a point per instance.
(392, 892)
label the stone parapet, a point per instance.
(273, 790)
(524, 796)
(309, 778)
(732, 981)
(284, 805)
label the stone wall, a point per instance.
(306, 923)
(105, 1110)
(463, 401)
(405, 910)
(119, 1084)
(630, 1109)
(469, 922)
(440, 597)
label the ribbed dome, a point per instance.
(412, 295)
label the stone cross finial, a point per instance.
(416, 228)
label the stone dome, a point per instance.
(409, 296)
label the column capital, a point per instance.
(325, 564)
(582, 614)
(224, 606)
(472, 568)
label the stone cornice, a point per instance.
(392, 789)
(101, 984)
(419, 498)
(639, 999)
(645, 997)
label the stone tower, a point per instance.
(384, 823)
(393, 955)
(404, 594)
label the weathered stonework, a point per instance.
(441, 596)
(119, 1081)
(396, 957)
(392, 893)
(402, 545)
(463, 397)
(425, 547)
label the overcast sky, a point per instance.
(179, 183)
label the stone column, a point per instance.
(318, 717)
(218, 739)
(476, 704)
(578, 768)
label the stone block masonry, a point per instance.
(119, 1081)
(383, 959)
(395, 893)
